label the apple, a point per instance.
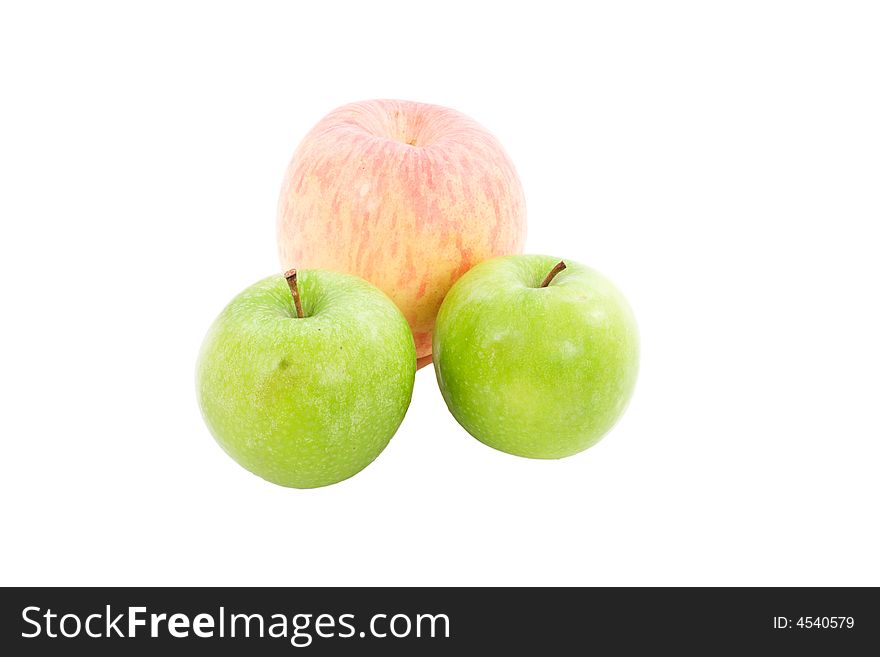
(304, 381)
(407, 195)
(535, 356)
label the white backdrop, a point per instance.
(719, 161)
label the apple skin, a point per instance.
(407, 195)
(537, 372)
(306, 402)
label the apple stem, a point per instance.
(558, 267)
(294, 290)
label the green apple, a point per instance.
(536, 357)
(304, 381)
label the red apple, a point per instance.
(406, 195)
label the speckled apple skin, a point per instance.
(537, 372)
(306, 402)
(406, 195)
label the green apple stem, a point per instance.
(294, 290)
(556, 269)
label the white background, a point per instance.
(719, 161)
